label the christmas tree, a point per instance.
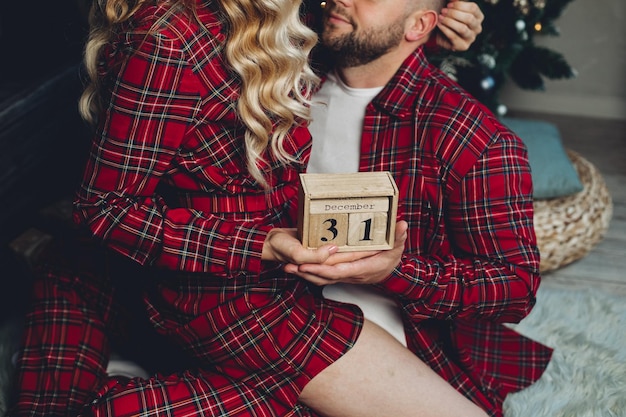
(506, 50)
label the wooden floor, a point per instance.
(603, 143)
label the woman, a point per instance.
(201, 108)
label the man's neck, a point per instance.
(376, 73)
(365, 76)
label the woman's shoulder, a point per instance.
(175, 24)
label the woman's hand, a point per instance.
(282, 245)
(367, 267)
(459, 24)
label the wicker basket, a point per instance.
(569, 227)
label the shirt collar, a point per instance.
(399, 95)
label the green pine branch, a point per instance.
(554, 9)
(505, 50)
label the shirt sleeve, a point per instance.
(493, 272)
(153, 104)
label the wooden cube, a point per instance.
(353, 211)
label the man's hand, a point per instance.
(367, 267)
(459, 25)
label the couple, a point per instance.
(202, 111)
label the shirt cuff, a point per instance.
(246, 248)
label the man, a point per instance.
(471, 261)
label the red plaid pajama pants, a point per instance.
(75, 320)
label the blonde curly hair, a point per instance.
(268, 47)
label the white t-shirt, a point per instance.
(338, 112)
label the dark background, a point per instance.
(42, 137)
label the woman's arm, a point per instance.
(153, 105)
(151, 116)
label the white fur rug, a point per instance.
(586, 377)
(587, 374)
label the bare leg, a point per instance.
(380, 377)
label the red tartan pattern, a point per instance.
(187, 394)
(66, 346)
(471, 261)
(171, 122)
(75, 318)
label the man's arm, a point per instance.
(493, 271)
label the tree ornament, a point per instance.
(447, 66)
(522, 5)
(487, 83)
(539, 4)
(523, 36)
(488, 61)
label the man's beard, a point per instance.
(354, 49)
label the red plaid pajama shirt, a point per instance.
(471, 262)
(166, 185)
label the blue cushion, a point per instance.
(553, 173)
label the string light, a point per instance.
(538, 27)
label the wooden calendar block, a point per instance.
(324, 228)
(353, 211)
(367, 229)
